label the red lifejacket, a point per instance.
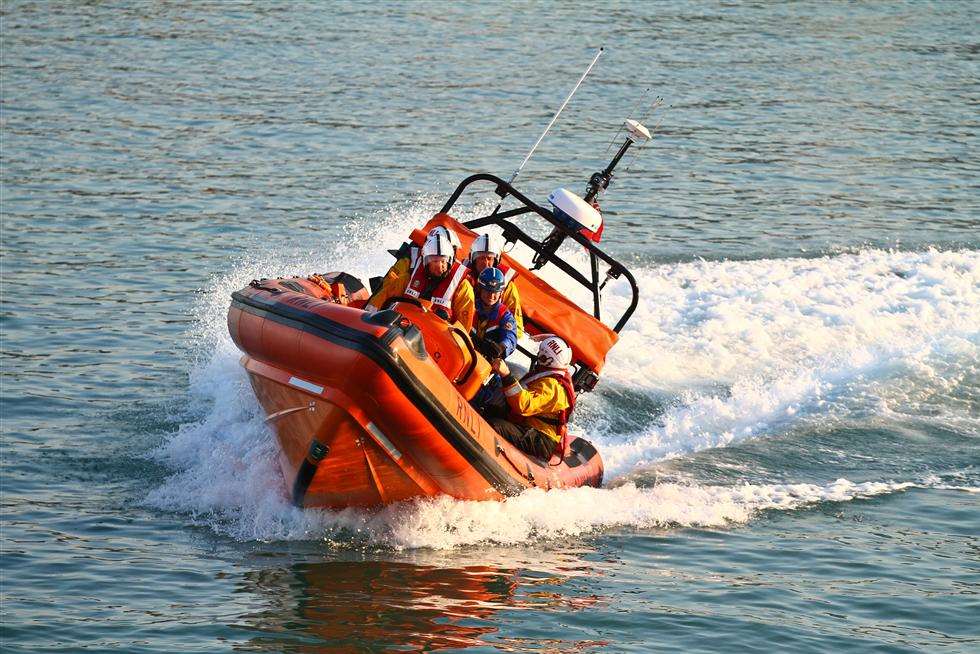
(442, 294)
(565, 379)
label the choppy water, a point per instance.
(790, 423)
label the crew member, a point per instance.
(541, 403)
(484, 254)
(494, 329)
(436, 277)
(407, 255)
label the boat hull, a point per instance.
(364, 414)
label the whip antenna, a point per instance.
(555, 117)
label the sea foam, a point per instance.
(740, 349)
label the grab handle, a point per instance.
(469, 346)
(401, 298)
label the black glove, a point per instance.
(491, 350)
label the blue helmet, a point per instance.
(491, 280)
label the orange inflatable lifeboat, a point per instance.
(373, 407)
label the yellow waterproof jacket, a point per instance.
(394, 285)
(400, 267)
(539, 405)
(512, 298)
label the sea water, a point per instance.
(789, 421)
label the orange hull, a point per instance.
(372, 408)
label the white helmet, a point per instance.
(553, 352)
(486, 243)
(449, 234)
(437, 245)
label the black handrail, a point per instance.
(513, 233)
(472, 352)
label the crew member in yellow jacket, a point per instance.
(407, 256)
(437, 277)
(541, 403)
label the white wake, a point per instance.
(738, 349)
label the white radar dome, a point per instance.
(576, 208)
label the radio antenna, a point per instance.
(639, 105)
(555, 117)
